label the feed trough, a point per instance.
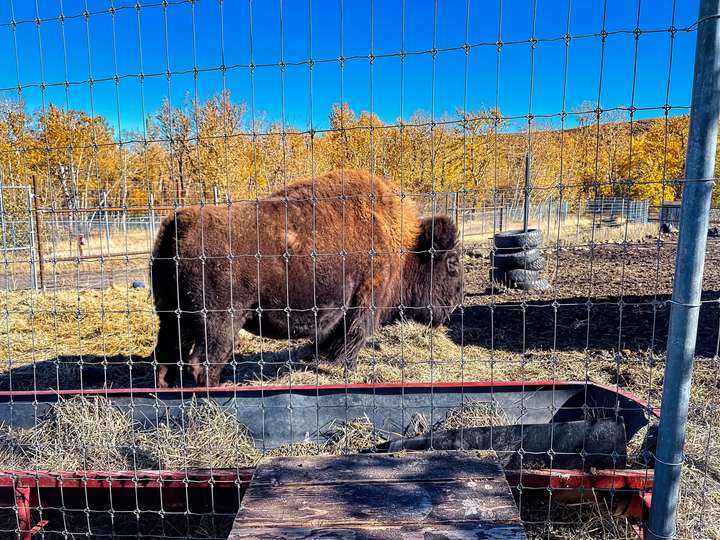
(568, 436)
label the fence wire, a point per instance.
(192, 284)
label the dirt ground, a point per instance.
(613, 297)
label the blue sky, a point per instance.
(186, 35)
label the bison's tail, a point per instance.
(163, 268)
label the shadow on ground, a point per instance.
(635, 323)
(92, 372)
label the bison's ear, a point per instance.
(438, 234)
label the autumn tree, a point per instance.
(657, 158)
(185, 151)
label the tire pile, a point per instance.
(517, 261)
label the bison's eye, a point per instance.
(453, 265)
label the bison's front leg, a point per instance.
(216, 345)
(348, 339)
(360, 320)
(167, 351)
(351, 334)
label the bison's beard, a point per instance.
(426, 304)
(432, 316)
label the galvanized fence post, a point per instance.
(577, 218)
(690, 260)
(152, 218)
(549, 212)
(38, 233)
(106, 220)
(34, 283)
(526, 193)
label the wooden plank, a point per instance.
(404, 466)
(444, 495)
(400, 502)
(481, 530)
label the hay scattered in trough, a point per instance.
(91, 433)
(12, 453)
(205, 437)
(351, 436)
(303, 448)
(474, 414)
(79, 433)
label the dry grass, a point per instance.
(91, 433)
(351, 436)
(101, 323)
(79, 433)
(591, 520)
(303, 448)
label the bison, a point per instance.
(329, 258)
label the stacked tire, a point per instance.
(517, 260)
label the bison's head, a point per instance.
(433, 276)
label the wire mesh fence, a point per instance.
(210, 259)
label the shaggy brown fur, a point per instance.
(330, 259)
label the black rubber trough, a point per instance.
(578, 423)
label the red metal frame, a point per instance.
(126, 479)
(604, 479)
(25, 484)
(634, 486)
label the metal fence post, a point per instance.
(33, 259)
(690, 260)
(38, 233)
(152, 219)
(577, 220)
(526, 193)
(482, 217)
(549, 211)
(3, 226)
(456, 207)
(106, 219)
